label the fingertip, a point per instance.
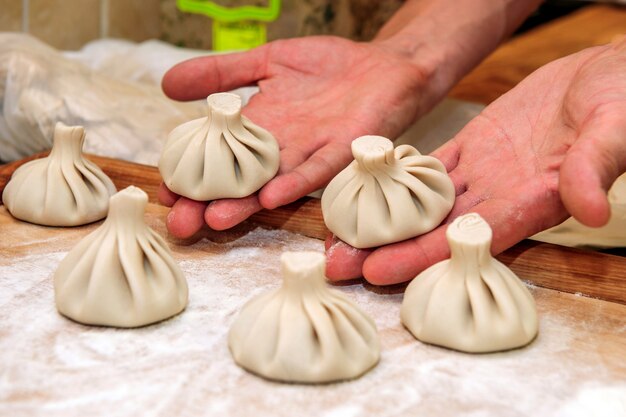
(401, 262)
(199, 77)
(227, 213)
(582, 192)
(166, 197)
(279, 191)
(174, 81)
(185, 218)
(384, 267)
(344, 262)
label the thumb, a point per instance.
(592, 164)
(199, 77)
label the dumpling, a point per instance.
(386, 195)
(303, 331)
(63, 189)
(223, 155)
(123, 273)
(470, 302)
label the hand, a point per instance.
(552, 145)
(316, 95)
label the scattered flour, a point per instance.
(52, 366)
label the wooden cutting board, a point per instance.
(551, 266)
(565, 269)
(182, 367)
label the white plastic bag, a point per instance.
(39, 86)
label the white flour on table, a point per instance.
(54, 367)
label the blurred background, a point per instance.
(70, 24)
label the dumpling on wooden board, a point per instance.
(63, 189)
(304, 331)
(470, 302)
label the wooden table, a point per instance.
(565, 269)
(54, 367)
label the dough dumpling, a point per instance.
(386, 195)
(470, 302)
(63, 189)
(304, 331)
(223, 155)
(123, 273)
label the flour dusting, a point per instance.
(52, 366)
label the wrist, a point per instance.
(445, 40)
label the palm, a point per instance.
(316, 95)
(508, 163)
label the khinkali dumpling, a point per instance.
(223, 155)
(470, 302)
(386, 195)
(303, 331)
(63, 189)
(122, 274)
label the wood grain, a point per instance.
(570, 270)
(303, 216)
(565, 269)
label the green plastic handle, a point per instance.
(235, 14)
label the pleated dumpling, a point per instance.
(303, 331)
(386, 195)
(123, 273)
(470, 302)
(63, 189)
(223, 155)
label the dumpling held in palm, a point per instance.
(386, 195)
(223, 155)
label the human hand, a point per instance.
(552, 145)
(316, 95)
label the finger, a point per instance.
(448, 154)
(312, 175)
(342, 260)
(186, 217)
(199, 77)
(292, 157)
(591, 166)
(165, 196)
(229, 212)
(510, 220)
(400, 262)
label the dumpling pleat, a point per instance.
(355, 331)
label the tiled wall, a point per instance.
(69, 24)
